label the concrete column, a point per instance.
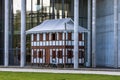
(23, 34)
(6, 43)
(116, 33)
(76, 24)
(89, 35)
(93, 33)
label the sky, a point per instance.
(17, 4)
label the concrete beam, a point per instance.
(23, 34)
(76, 24)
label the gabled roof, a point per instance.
(55, 25)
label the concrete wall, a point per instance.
(119, 34)
(105, 34)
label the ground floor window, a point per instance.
(70, 54)
(60, 54)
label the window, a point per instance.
(41, 37)
(35, 54)
(53, 54)
(60, 36)
(69, 36)
(81, 54)
(47, 36)
(69, 54)
(35, 37)
(80, 36)
(53, 36)
(40, 54)
(60, 54)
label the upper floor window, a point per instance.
(69, 36)
(47, 36)
(41, 37)
(80, 36)
(34, 37)
(60, 36)
(54, 36)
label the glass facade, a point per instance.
(1, 30)
(39, 10)
(36, 12)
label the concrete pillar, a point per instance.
(23, 34)
(89, 36)
(116, 33)
(93, 33)
(6, 43)
(76, 24)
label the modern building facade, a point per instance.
(100, 17)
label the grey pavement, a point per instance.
(79, 71)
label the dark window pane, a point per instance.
(40, 54)
(80, 36)
(60, 54)
(53, 36)
(69, 36)
(60, 36)
(53, 54)
(81, 54)
(70, 54)
(35, 37)
(47, 36)
(34, 54)
(41, 37)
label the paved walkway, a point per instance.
(117, 73)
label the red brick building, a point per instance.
(53, 40)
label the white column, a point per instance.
(6, 43)
(23, 35)
(116, 33)
(76, 24)
(89, 35)
(93, 33)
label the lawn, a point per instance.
(51, 76)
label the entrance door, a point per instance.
(47, 56)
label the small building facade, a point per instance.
(53, 42)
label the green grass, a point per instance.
(51, 76)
